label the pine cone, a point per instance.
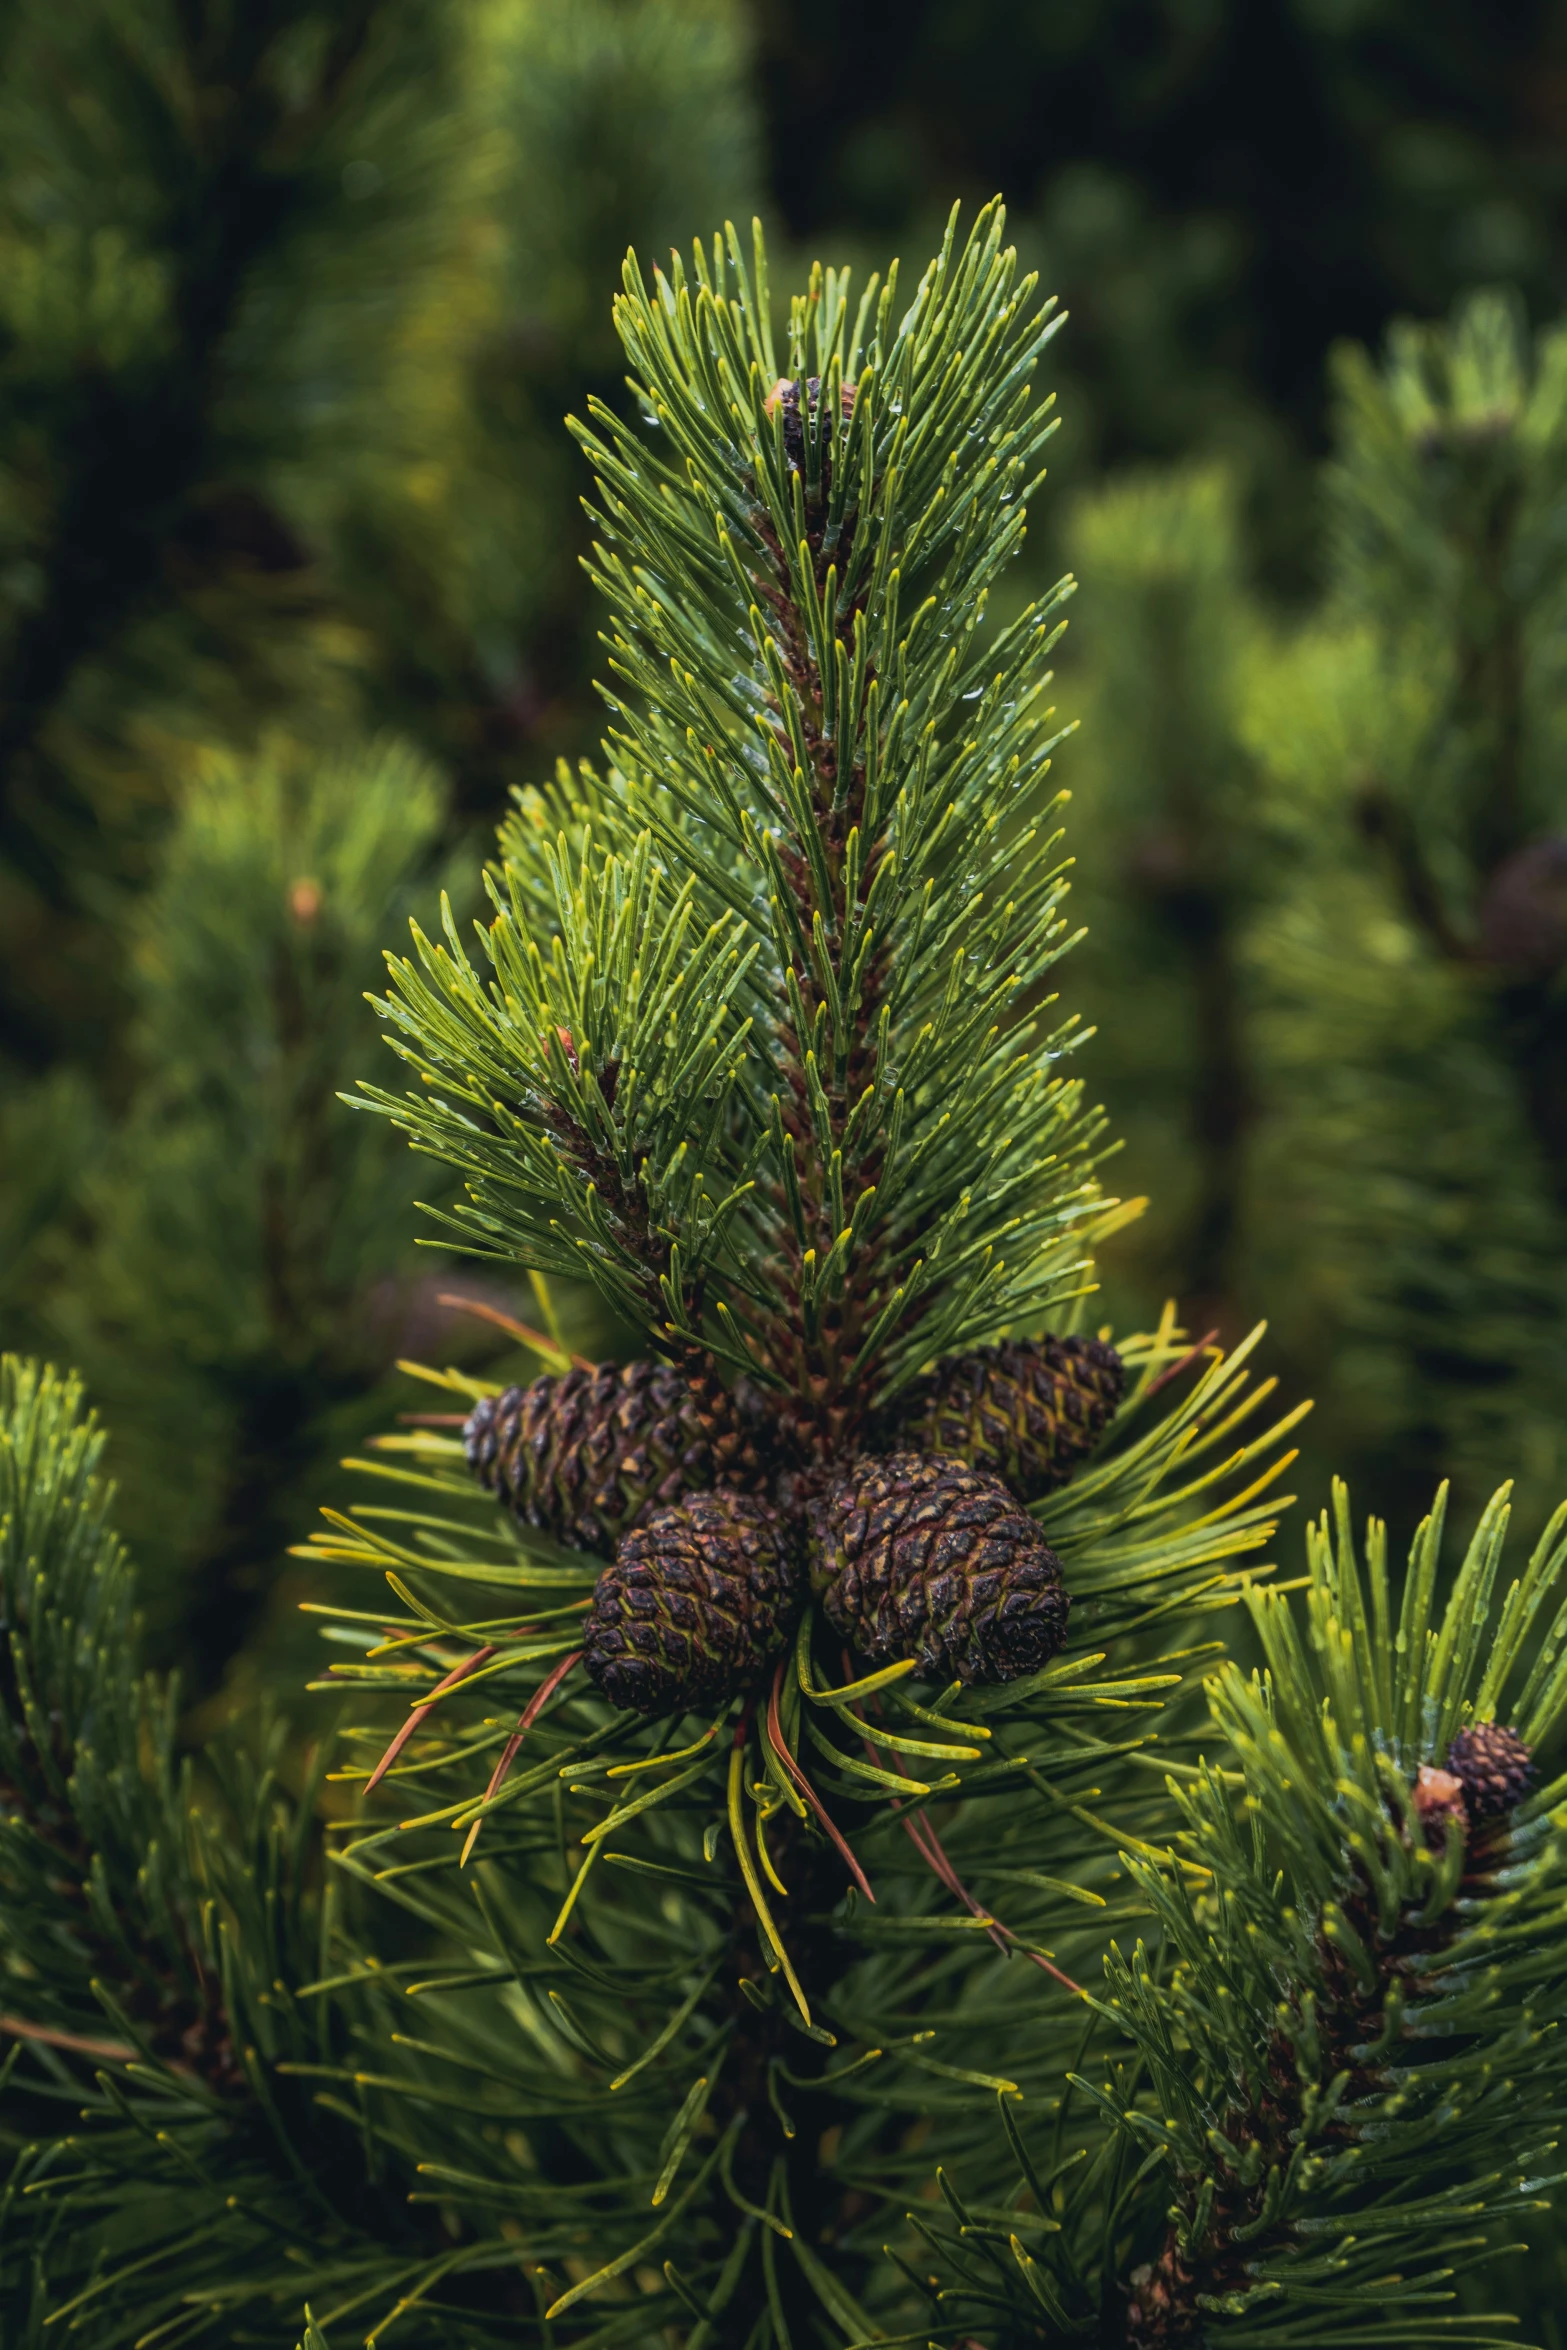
(923, 1557)
(1494, 1768)
(1028, 1410)
(694, 1604)
(585, 1456)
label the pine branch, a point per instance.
(948, 1856)
(251, 1250)
(1446, 500)
(170, 2171)
(1338, 2052)
(625, 1048)
(827, 517)
(850, 1146)
(762, 1049)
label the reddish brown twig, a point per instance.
(935, 1858)
(540, 1343)
(1176, 1369)
(525, 1721)
(928, 1845)
(109, 2051)
(781, 1749)
(470, 1664)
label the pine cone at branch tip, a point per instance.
(918, 1556)
(695, 1603)
(588, 1454)
(1493, 1767)
(1029, 1410)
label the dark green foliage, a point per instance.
(812, 850)
(606, 122)
(291, 302)
(1420, 932)
(1181, 856)
(66, 1584)
(50, 1130)
(1340, 2054)
(613, 2023)
(177, 189)
(251, 1271)
(154, 1931)
(1219, 190)
(1325, 929)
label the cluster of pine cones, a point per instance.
(921, 1548)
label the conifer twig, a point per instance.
(530, 1714)
(421, 1713)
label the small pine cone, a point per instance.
(1028, 1410)
(919, 1556)
(584, 1456)
(1494, 1768)
(696, 1602)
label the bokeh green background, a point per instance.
(294, 296)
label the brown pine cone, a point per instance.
(919, 1556)
(696, 1601)
(584, 1456)
(1029, 1409)
(1494, 1768)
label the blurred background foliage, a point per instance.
(294, 295)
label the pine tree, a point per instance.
(159, 1924)
(794, 1897)
(287, 295)
(1312, 952)
(285, 292)
(250, 1272)
(185, 362)
(1177, 839)
(177, 189)
(1415, 729)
